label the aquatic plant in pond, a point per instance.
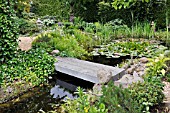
(134, 48)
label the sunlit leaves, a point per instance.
(119, 4)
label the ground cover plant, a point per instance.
(8, 31)
(28, 69)
(31, 66)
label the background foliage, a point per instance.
(51, 7)
(95, 10)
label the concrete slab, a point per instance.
(88, 71)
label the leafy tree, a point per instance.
(75, 4)
(51, 7)
(118, 4)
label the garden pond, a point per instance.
(60, 88)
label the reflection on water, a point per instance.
(62, 86)
(58, 92)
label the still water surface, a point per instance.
(41, 98)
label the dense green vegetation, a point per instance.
(95, 10)
(8, 31)
(66, 43)
(113, 29)
(31, 67)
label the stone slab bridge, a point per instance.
(89, 71)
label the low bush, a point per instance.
(65, 43)
(85, 103)
(32, 66)
(43, 42)
(114, 100)
(157, 66)
(26, 26)
(148, 93)
(118, 100)
(69, 47)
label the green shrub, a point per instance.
(8, 31)
(84, 39)
(118, 100)
(85, 103)
(43, 42)
(32, 66)
(65, 43)
(157, 66)
(68, 46)
(148, 93)
(26, 26)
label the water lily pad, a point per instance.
(102, 53)
(94, 53)
(115, 56)
(135, 48)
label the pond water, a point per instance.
(109, 61)
(41, 98)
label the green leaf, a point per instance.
(163, 72)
